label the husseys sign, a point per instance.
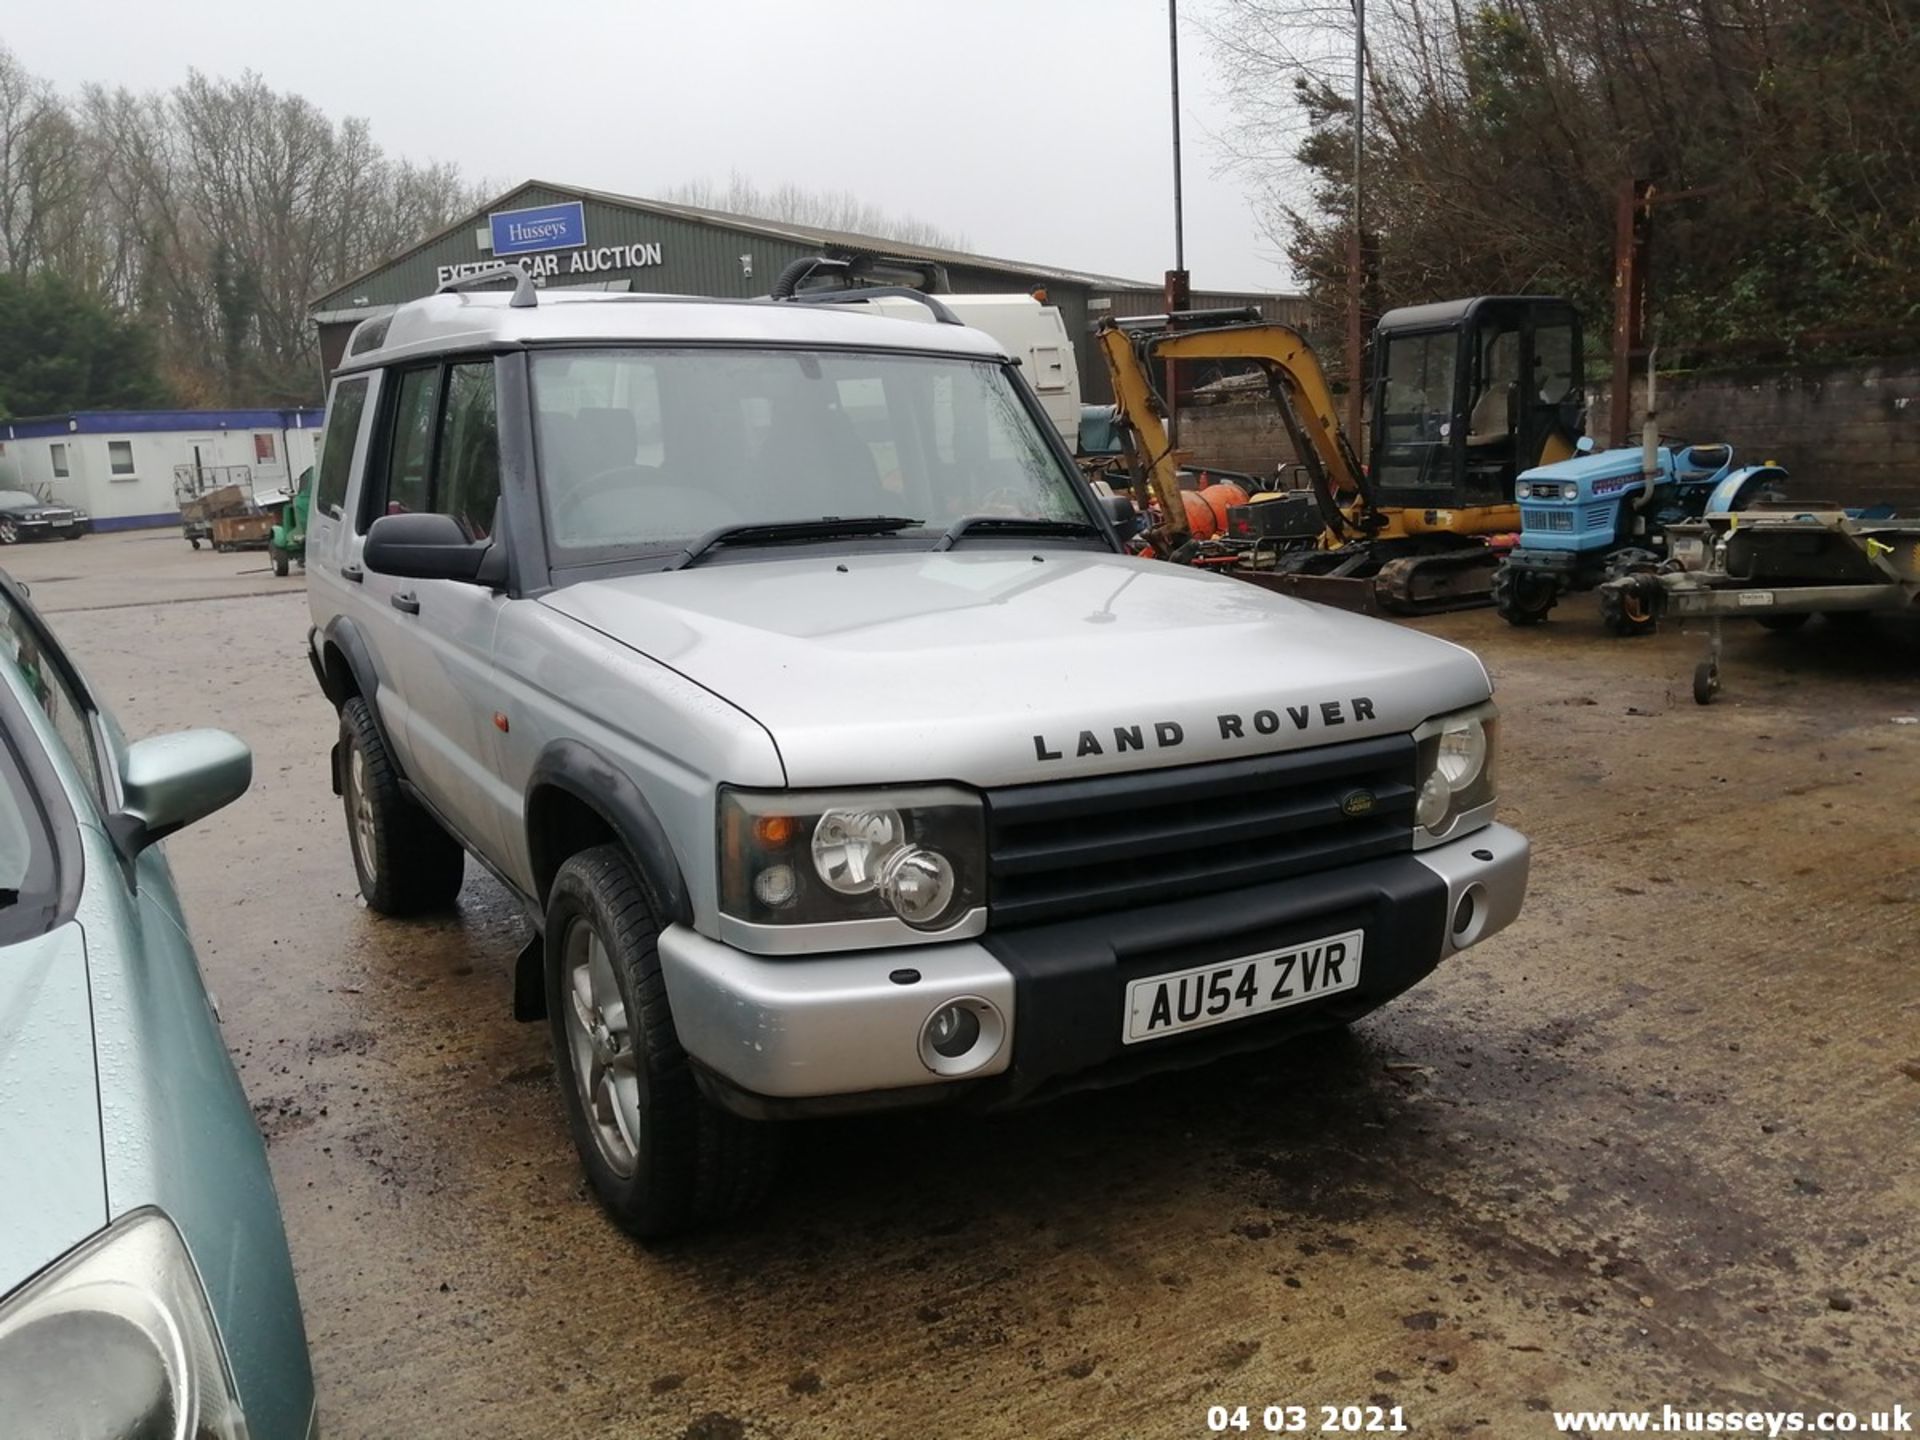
(537, 238)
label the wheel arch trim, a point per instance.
(582, 773)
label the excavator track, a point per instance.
(1432, 584)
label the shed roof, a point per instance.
(794, 231)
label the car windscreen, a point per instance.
(645, 449)
(14, 499)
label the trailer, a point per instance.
(1779, 568)
(205, 493)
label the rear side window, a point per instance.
(443, 448)
(336, 443)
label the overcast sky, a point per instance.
(1038, 128)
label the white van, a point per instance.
(1030, 332)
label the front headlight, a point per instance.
(116, 1340)
(876, 860)
(1456, 769)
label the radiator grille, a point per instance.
(1078, 847)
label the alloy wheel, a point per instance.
(601, 1044)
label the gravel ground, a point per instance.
(1659, 1142)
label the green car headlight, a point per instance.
(913, 856)
(116, 1340)
(1456, 755)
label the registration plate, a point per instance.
(1755, 597)
(1252, 985)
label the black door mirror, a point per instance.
(425, 547)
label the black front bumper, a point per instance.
(1071, 978)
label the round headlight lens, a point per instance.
(849, 847)
(917, 885)
(1463, 751)
(1435, 800)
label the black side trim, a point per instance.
(582, 772)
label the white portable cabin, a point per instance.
(120, 466)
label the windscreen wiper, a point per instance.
(827, 527)
(1019, 526)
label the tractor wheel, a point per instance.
(1626, 609)
(1521, 597)
(1783, 623)
(1631, 562)
(279, 559)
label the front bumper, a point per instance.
(796, 1036)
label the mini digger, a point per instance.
(1465, 394)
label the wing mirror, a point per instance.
(431, 547)
(171, 781)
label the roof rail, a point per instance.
(524, 295)
(862, 294)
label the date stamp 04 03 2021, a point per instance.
(1307, 1419)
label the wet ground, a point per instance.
(1659, 1142)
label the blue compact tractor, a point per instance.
(1598, 516)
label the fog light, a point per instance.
(773, 887)
(953, 1031)
(1470, 915)
(917, 885)
(962, 1036)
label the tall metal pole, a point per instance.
(1173, 57)
(1356, 341)
(1177, 291)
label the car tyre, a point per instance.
(405, 862)
(9, 533)
(661, 1157)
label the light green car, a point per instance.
(145, 1285)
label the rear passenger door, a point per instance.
(443, 456)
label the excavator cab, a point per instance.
(1467, 394)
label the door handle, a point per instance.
(353, 573)
(407, 602)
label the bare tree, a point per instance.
(823, 209)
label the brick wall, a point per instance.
(1847, 434)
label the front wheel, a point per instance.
(1706, 682)
(9, 533)
(404, 861)
(659, 1155)
(1522, 597)
(278, 557)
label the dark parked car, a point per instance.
(27, 517)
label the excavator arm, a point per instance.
(1299, 387)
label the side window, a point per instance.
(468, 472)
(404, 489)
(1553, 363)
(20, 646)
(120, 457)
(58, 454)
(336, 443)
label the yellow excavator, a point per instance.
(1465, 395)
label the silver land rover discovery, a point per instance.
(779, 661)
